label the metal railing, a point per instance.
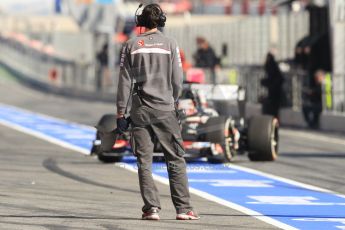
(338, 95)
(36, 62)
(249, 77)
(248, 39)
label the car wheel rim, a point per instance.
(228, 142)
(274, 138)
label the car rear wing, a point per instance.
(217, 92)
(220, 92)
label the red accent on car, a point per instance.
(219, 148)
(187, 144)
(120, 144)
(195, 75)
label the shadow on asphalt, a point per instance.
(51, 165)
(70, 217)
(313, 155)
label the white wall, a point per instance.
(27, 6)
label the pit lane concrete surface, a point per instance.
(45, 186)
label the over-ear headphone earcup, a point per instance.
(162, 20)
(138, 18)
(140, 21)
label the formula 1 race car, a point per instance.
(206, 134)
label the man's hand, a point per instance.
(177, 103)
(122, 124)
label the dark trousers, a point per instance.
(149, 123)
(271, 107)
(311, 115)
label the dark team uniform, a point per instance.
(151, 64)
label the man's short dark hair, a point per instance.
(152, 17)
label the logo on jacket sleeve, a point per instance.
(123, 56)
(141, 43)
(179, 57)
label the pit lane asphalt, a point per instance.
(47, 187)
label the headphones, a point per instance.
(142, 20)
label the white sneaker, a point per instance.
(151, 214)
(187, 216)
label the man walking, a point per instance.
(151, 64)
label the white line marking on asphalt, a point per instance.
(196, 171)
(163, 180)
(235, 183)
(289, 200)
(218, 200)
(285, 180)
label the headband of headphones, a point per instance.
(143, 20)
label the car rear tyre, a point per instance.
(107, 123)
(217, 159)
(108, 159)
(218, 130)
(105, 128)
(263, 138)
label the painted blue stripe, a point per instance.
(68, 132)
(290, 204)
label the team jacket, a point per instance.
(153, 61)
